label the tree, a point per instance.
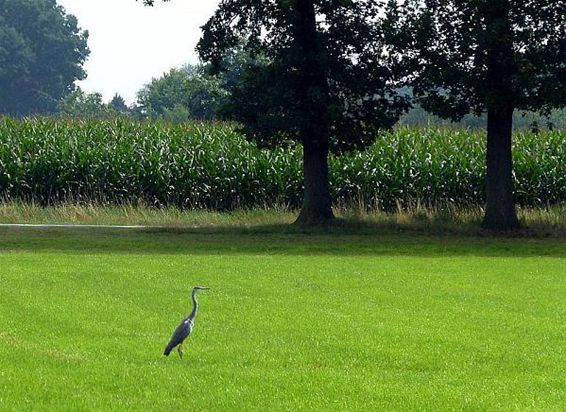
(182, 94)
(91, 106)
(321, 80)
(42, 51)
(484, 56)
(230, 69)
(162, 93)
(118, 104)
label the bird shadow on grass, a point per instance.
(343, 238)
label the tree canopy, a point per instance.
(358, 88)
(91, 106)
(446, 47)
(42, 51)
(182, 94)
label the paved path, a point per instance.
(74, 226)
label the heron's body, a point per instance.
(185, 328)
(181, 333)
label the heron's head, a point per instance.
(199, 288)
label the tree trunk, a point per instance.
(500, 211)
(312, 93)
(317, 204)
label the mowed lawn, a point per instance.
(292, 321)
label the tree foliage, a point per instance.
(182, 94)
(42, 51)
(445, 45)
(417, 117)
(358, 92)
(118, 104)
(79, 104)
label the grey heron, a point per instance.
(185, 327)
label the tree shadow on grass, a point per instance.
(343, 239)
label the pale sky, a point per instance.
(130, 43)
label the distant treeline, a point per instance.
(190, 93)
(418, 117)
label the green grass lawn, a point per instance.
(312, 321)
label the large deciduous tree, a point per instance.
(321, 80)
(484, 56)
(42, 51)
(317, 76)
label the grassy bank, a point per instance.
(293, 321)
(547, 221)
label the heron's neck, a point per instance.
(195, 306)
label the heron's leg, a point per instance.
(180, 350)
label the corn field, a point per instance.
(200, 165)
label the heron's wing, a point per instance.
(181, 333)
